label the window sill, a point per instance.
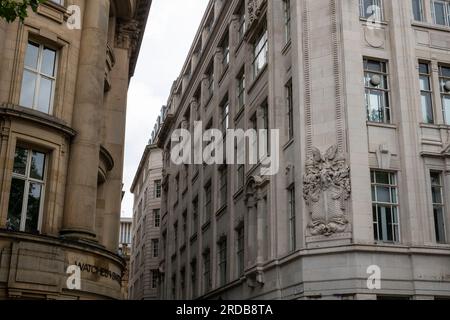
(38, 117)
(224, 73)
(426, 25)
(239, 114)
(288, 144)
(208, 101)
(381, 125)
(205, 226)
(287, 47)
(221, 211)
(239, 46)
(238, 194)
(382, 22)
(195, 177)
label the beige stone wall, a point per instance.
(334, 243)
(82, 137)
(142, 261)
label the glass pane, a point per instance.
(374, 65)
(439, 13)
(28, 89)
(48, 62)
(439, 224)
(380, 214)
(427, 109)
(20, 161)
(37, 165)
(15, 204)
(382, 177)
(393, 195)
(436, 194)
(446, 108)
(375, 106)
(31, 56)
(34, 203)
(383, 194)
(45, 95)
(389, 229)
(417, 9)
(424, 83)
(445, 72)
(435, 179)
(394, 215)
(423, 68)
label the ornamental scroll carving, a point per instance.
(254, 10)
(326, 188)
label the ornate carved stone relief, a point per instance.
(326, 187)
(254, 10)
(127, 34)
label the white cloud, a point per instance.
(170, 31)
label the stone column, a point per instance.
(115, 115)
(81, 191)
(2, 49)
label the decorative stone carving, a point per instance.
(254, 10)
(127, 34)
(326, 187)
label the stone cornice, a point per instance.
(15, 111)
(142, 12)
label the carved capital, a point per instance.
(127, 34)
(326, 188)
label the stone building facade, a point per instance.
(125, 244)
(144, 262)
(359, 91)
(64, 79)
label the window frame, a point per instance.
(443, 93)
(207, 279)
(240, 249)
(39, 75)
(241, 93)
(223, 185)
(290, 109)
(222, 257)
(446, 6)
(292, 218)
(158, 190)
(287, 20)
(260, 47)
(421, 17)
(386, 90)
(429, 92)
(392, 185)
(27, 179)
(438, 205)
(364, 15)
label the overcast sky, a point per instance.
(170, 32)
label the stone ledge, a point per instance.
(15, 111)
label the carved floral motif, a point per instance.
(254, 10)
(326, 187)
